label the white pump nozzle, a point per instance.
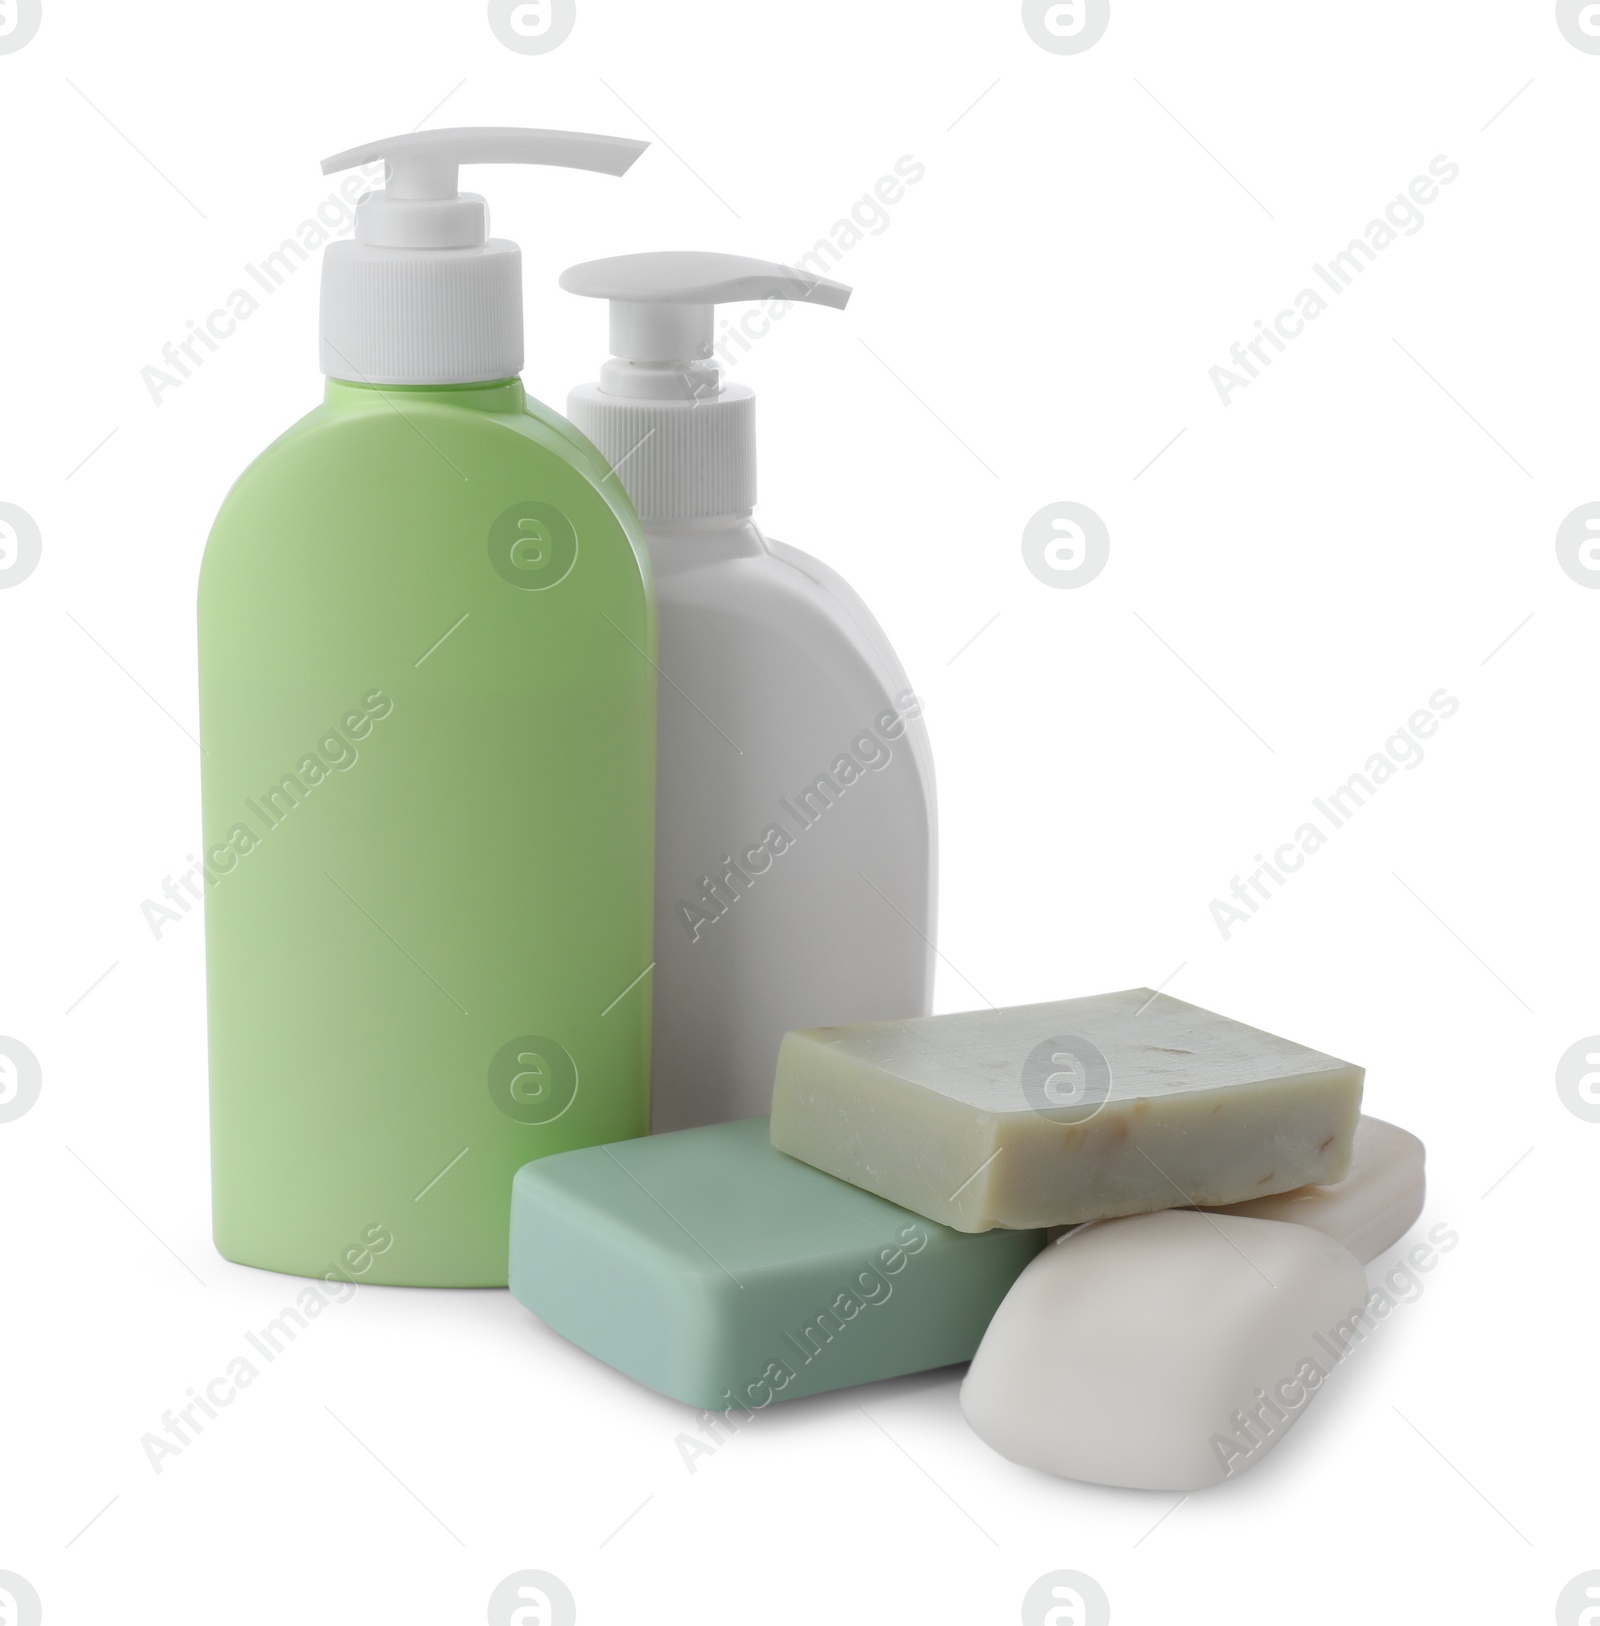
(663, 306)
(682, 439)
(423, 295)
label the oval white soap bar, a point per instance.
(1164, 1351)
(1369, 1210)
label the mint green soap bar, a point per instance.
(723, 1273)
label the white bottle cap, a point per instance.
(682, 441)
(423, 294)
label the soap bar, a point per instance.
(714, 1269)
(1369, 1210)
(1166, 1351)
(1052, 1114)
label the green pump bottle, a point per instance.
(427, 706)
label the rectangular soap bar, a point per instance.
(1053, 1114)
(714, 1269)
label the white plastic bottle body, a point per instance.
(796, 835)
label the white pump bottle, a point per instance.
(795, 845)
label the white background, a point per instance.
(1289, 580)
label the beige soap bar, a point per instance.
(1053, 1114)
(1368, 1211)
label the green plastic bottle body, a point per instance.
(427, 691)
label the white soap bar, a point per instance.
(1052, 1114)
(1369, 1210)
(1163, 1352)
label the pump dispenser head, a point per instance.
(681, 438)
(423, 294)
